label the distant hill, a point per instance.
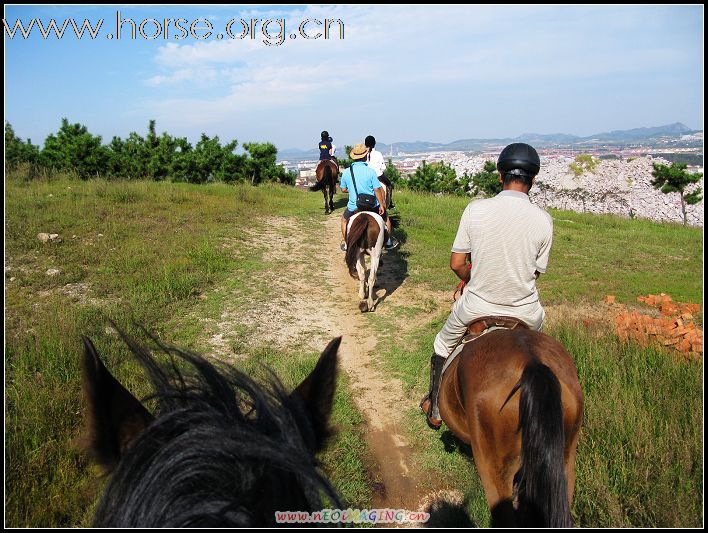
(670, 130)
(539, 140)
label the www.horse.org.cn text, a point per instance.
(271, 32)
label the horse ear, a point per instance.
(115, 417)
(317, 392)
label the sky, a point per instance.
(402, 73)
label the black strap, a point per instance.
(352, 173)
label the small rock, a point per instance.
(100, 234)
(53, 272)
(44, 237)
(51, 196)
(12, 278)
(54, 237)
(73, 236)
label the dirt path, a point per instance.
(311, 299)
(378, 397)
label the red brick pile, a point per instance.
(675, 329)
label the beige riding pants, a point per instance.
(470, 307)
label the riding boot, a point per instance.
(429, 404)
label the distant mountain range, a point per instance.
(538, 140)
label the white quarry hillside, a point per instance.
(615, 186)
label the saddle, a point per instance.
(478, 326)
(481, 326)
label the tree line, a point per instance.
(440, 178)
(73, 149)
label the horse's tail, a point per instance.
(356, 238)
(326, 178)
(541, 481)
(318, 186)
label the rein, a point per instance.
(460, 286)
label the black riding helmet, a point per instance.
(520, 159)
(324, 135)
(370, 142)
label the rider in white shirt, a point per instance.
(376, 161)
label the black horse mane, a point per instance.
(223, 451)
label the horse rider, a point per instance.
(327, 149)
(507, 241)
(366, 183)
(376, 161)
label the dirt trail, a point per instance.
(312, 299)
(378, 397)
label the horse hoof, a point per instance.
(363, 307)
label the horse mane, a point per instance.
(222, 451)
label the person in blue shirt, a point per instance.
(366, 183)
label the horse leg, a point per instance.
(324, 195)
(361, 271)
(375, 256)
(496, 465)
(332, 188)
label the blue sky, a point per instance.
(435, 73)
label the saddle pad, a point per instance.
(375, 216)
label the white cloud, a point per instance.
(387, 51)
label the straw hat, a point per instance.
(359, 152)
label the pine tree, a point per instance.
(675, 178)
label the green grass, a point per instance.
(640, 453)
(139, 252)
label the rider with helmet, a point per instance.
(327, 150)
(326, 147)
(507, 240)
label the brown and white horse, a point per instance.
(365, 236)
(327, 173)
(515, 398)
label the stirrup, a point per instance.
(426, 405)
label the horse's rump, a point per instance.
(364, 231)
(523, 444)
(324, 175)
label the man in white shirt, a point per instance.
(506, 240)
(376, 161)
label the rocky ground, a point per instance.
(620, 187)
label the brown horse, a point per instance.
(327, 173)
(365, 236)
(523, 444)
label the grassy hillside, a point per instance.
(145, 252)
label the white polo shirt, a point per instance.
(376, 161)
(509, 239)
